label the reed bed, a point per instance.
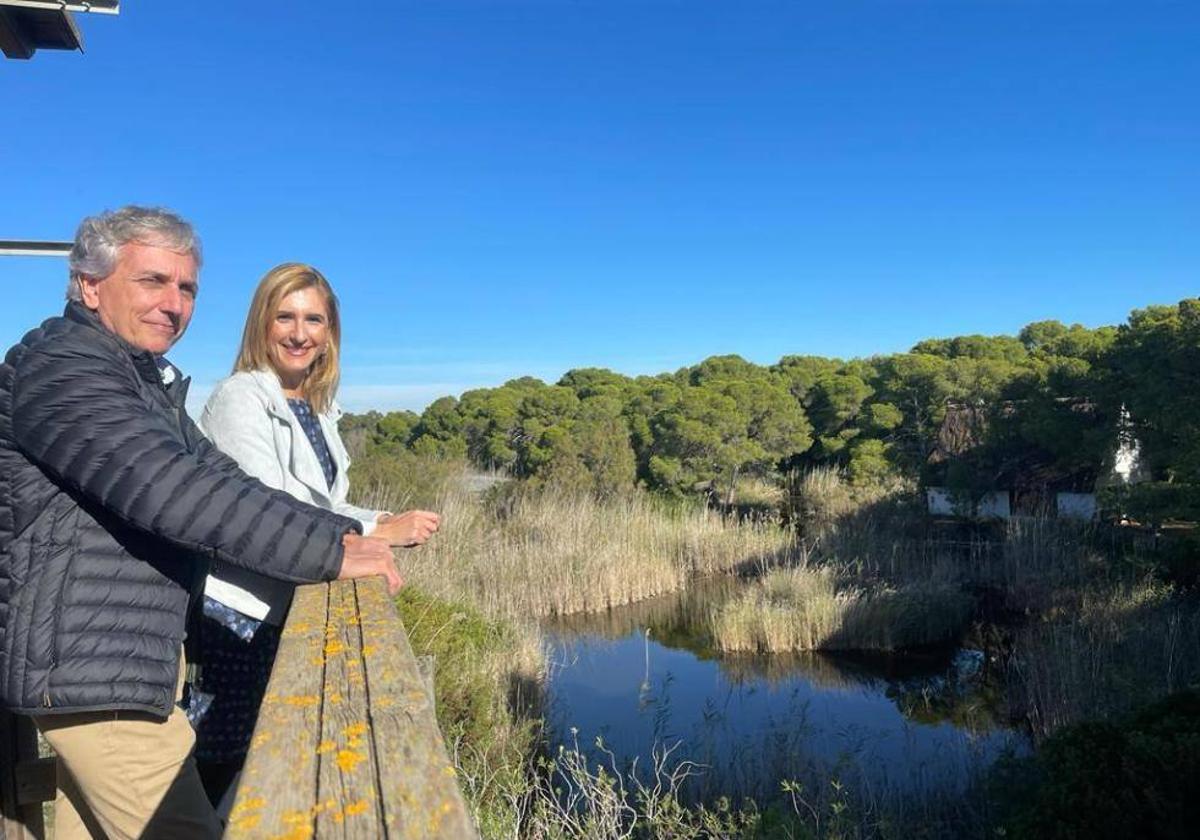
(814, 608)
(1111, 651)
(545, 554)
(1028, 564)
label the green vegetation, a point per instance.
(487, 685)
(1136, 777)
(1092, 620)
(705, 427)
(1099, 628)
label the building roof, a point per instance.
(27, 26)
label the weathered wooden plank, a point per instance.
(347, 745)
(427, 665)
(18, 746)
(346, 789)
(417, 782)
(277, 796)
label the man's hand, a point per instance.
(367, 556)
(408, 529)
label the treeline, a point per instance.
(703, 427)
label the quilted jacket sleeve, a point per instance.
(208, 452)
(87, 425)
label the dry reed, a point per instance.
(813, 608)
(549, 554)
(1112, 650)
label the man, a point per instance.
(112, 506)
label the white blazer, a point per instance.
(248, 418)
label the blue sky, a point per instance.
(507, 188)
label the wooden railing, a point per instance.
(346, 743)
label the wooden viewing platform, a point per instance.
(346, 743)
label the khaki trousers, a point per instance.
(128, 775)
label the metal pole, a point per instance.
(33, 248)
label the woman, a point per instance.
(276, 417)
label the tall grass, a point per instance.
(814, 608)
(583, 794)
(882, 534)
(541, 554)
(1112, 650)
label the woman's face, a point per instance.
(298, 335)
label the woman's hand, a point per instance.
(407, 529)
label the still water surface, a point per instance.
(645, 676)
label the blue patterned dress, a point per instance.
(238, 651)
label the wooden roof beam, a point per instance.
(15, 41)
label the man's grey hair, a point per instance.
(99, 237)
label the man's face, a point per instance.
(149, 297)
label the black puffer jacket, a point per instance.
(112, 506)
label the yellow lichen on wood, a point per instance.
(362, 806)
(347, 760)
(250, 803)
(246, 823)
(302, 700)
(295, 818)
(362, 745)
(356, 808)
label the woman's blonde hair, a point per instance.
(320, 385)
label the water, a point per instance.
(644, 678)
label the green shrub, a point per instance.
(392, 478)
(488, 689)
(1136, 778)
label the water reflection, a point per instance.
(646, 675)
